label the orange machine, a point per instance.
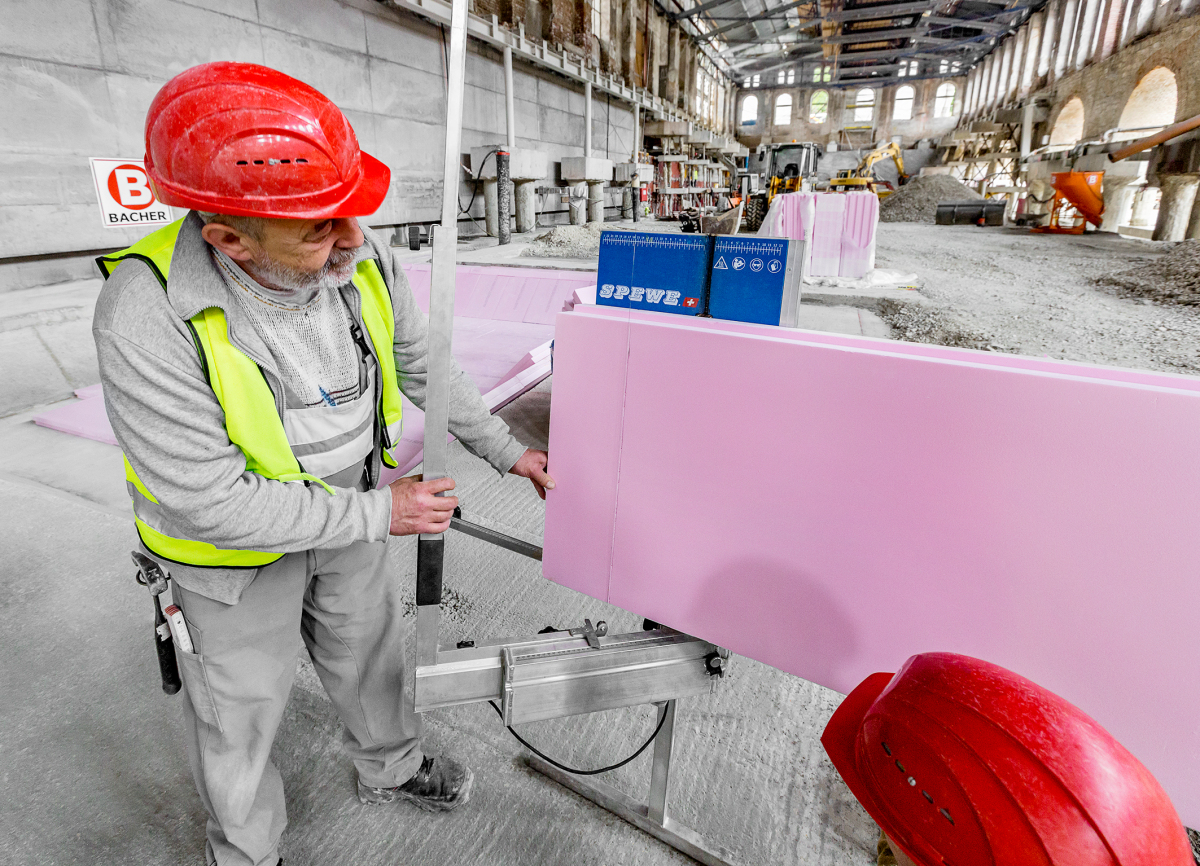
(1077, 202)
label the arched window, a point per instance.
(943, 105)
(864, 105)
(1068, 126)
(1153, 102)
(818, 107)
(750, 110)
(783, 109)
(904, 103)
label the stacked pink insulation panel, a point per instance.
(843, 229)
(831, 505)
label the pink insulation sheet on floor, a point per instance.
(831, 505)
(843, 229)
(503, 326)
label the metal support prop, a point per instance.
(537, 677)
(587, 118)
(431, 548)
(510, 111)
(503, 198)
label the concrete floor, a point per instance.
(94, 772)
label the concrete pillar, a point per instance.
(1112, 28)
(1118, 200)
(491, 207)
(1175, 206)
(595, 201)
(579, 204)
(1049, 34)
(1033, 47)
(1089, 21)
(1143, 207)
(1027, 127)
(1066, 38)
(673, 64)
(1193, 229)
(1006, 56)
(587, 118)
(526, 207)
(628, 41)
(510, 111)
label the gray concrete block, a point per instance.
(31, 375)
(484, 72)
(525, 83)
(483, 111)
(339, 74)
(402, 91)
(561, 127)
(73, 350)
(410, 146)
(528, 123)
(131, 96)
(551, 95)
(74, 41)
(415, 44)
(244, 9)
(51, 108)
(45, 179)
(37, 229)
(331, 22)
(161, 38)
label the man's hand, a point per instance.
(532, 465)
(415, 508)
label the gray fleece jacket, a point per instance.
(172, 428)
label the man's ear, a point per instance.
(229, 241)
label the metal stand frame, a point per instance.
(546, 676)
(649, 817)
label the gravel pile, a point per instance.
(917, 200)
(1173, 278)
(921, 323)
(566, 242)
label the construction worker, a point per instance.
(253, 355)
(961, 762)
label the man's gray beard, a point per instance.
(337, 271)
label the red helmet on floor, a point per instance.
(245, 140)
(964, 763)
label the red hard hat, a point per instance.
(964, 763)
(245, 140)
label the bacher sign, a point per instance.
(125, 195)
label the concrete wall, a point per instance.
(80, 74)
(922, 124)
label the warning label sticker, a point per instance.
(720, 265)
(125, 196)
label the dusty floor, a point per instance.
(1005, 289)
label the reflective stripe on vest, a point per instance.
(252, 420)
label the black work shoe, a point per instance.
(440, 785)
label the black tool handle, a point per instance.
(429, 570)
(168, 665)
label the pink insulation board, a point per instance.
(827, 235)
(831, 505)
(858, 234)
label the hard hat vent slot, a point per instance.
(886, 749)
(900, 766)
(242, 162)
(927, 796)
(946, 814)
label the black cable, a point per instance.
(475, 183)
(571, 770)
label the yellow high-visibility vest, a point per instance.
(251, 418)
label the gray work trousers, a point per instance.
(344, 605)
